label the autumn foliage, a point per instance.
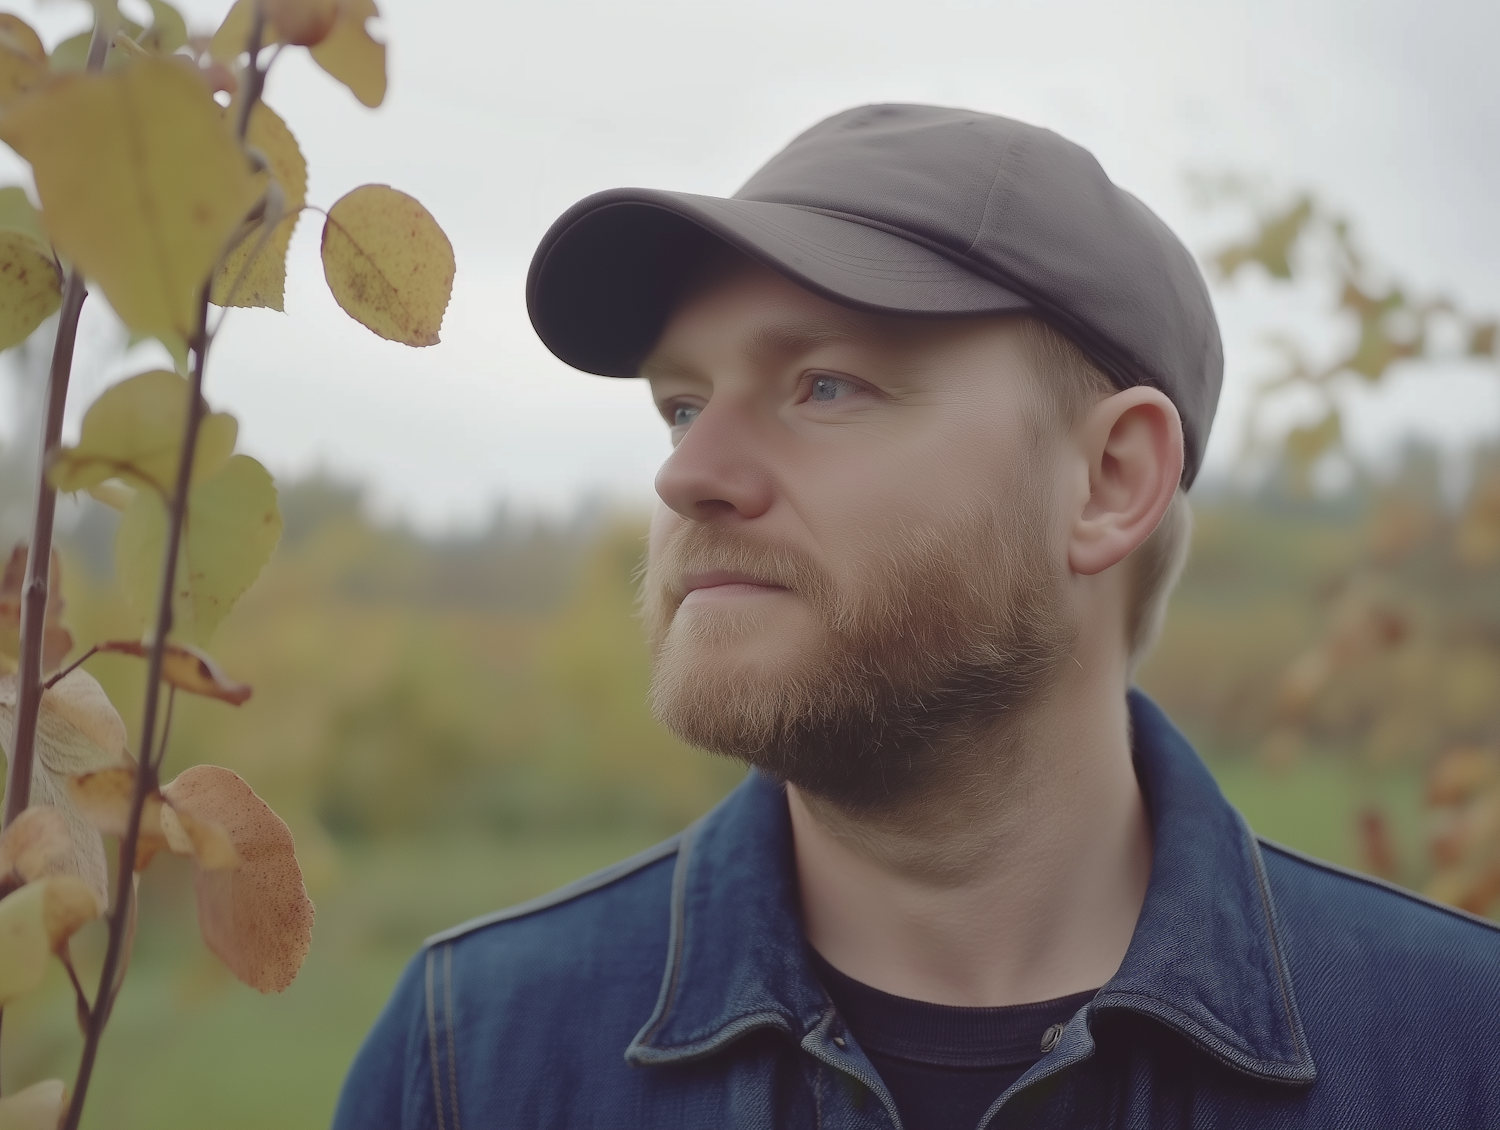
(168, 189)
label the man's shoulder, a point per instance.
(628, 897)
(1354, 929)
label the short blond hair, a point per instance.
(1071, 384)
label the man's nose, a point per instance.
(719, 470)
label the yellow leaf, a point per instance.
(23, 59)
(30, 286)
(38, 1107)
(77, 731)
(140, 184)
(257, 918)
(134, 432)
(36, 844)
(57, 641)
(351, 55)
(264, 281)
(232, 526)
(388, 264)
(103, 797)
(187, 669)
(35, 921)
(233, 37)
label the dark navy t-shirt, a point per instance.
(944, 1065)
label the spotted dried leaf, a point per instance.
(388, 264)
(257, 918)
(57, 641)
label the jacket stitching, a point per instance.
(432, 1044)
(679, 916)
(448, 1013)
(1371, 881)
(1288, 1001)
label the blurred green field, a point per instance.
(454, 726)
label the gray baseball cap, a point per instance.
(918, 211)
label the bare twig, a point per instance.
(39, 560)
(70, 668)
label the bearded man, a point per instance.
(936, 387)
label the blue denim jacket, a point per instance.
(1261, 989)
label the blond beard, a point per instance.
(946, 634)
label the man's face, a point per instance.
(858, 558)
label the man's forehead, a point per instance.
(754, 313)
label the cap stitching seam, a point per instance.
(991, 203)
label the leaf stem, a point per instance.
(39, 560)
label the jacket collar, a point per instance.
(1205, 959)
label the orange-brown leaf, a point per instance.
(187, 669)
(257, 918)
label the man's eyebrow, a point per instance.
(792, 337)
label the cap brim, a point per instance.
(607, 274)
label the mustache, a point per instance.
(695, 548)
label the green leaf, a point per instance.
(167, 32)
(141, 185)
(34, 923)
(17, 214)
(388, 264)
(232, 527)
(134, 432)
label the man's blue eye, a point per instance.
(827, 388)
(684, 414)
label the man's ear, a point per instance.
(1133, 443)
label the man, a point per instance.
(936, 387)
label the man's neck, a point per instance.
(1021, 882)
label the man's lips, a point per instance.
(722, 584)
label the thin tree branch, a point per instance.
(39, 559)
(146, 769)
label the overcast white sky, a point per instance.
(501, 114)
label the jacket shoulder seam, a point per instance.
(1379, 884)
(565, 894)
